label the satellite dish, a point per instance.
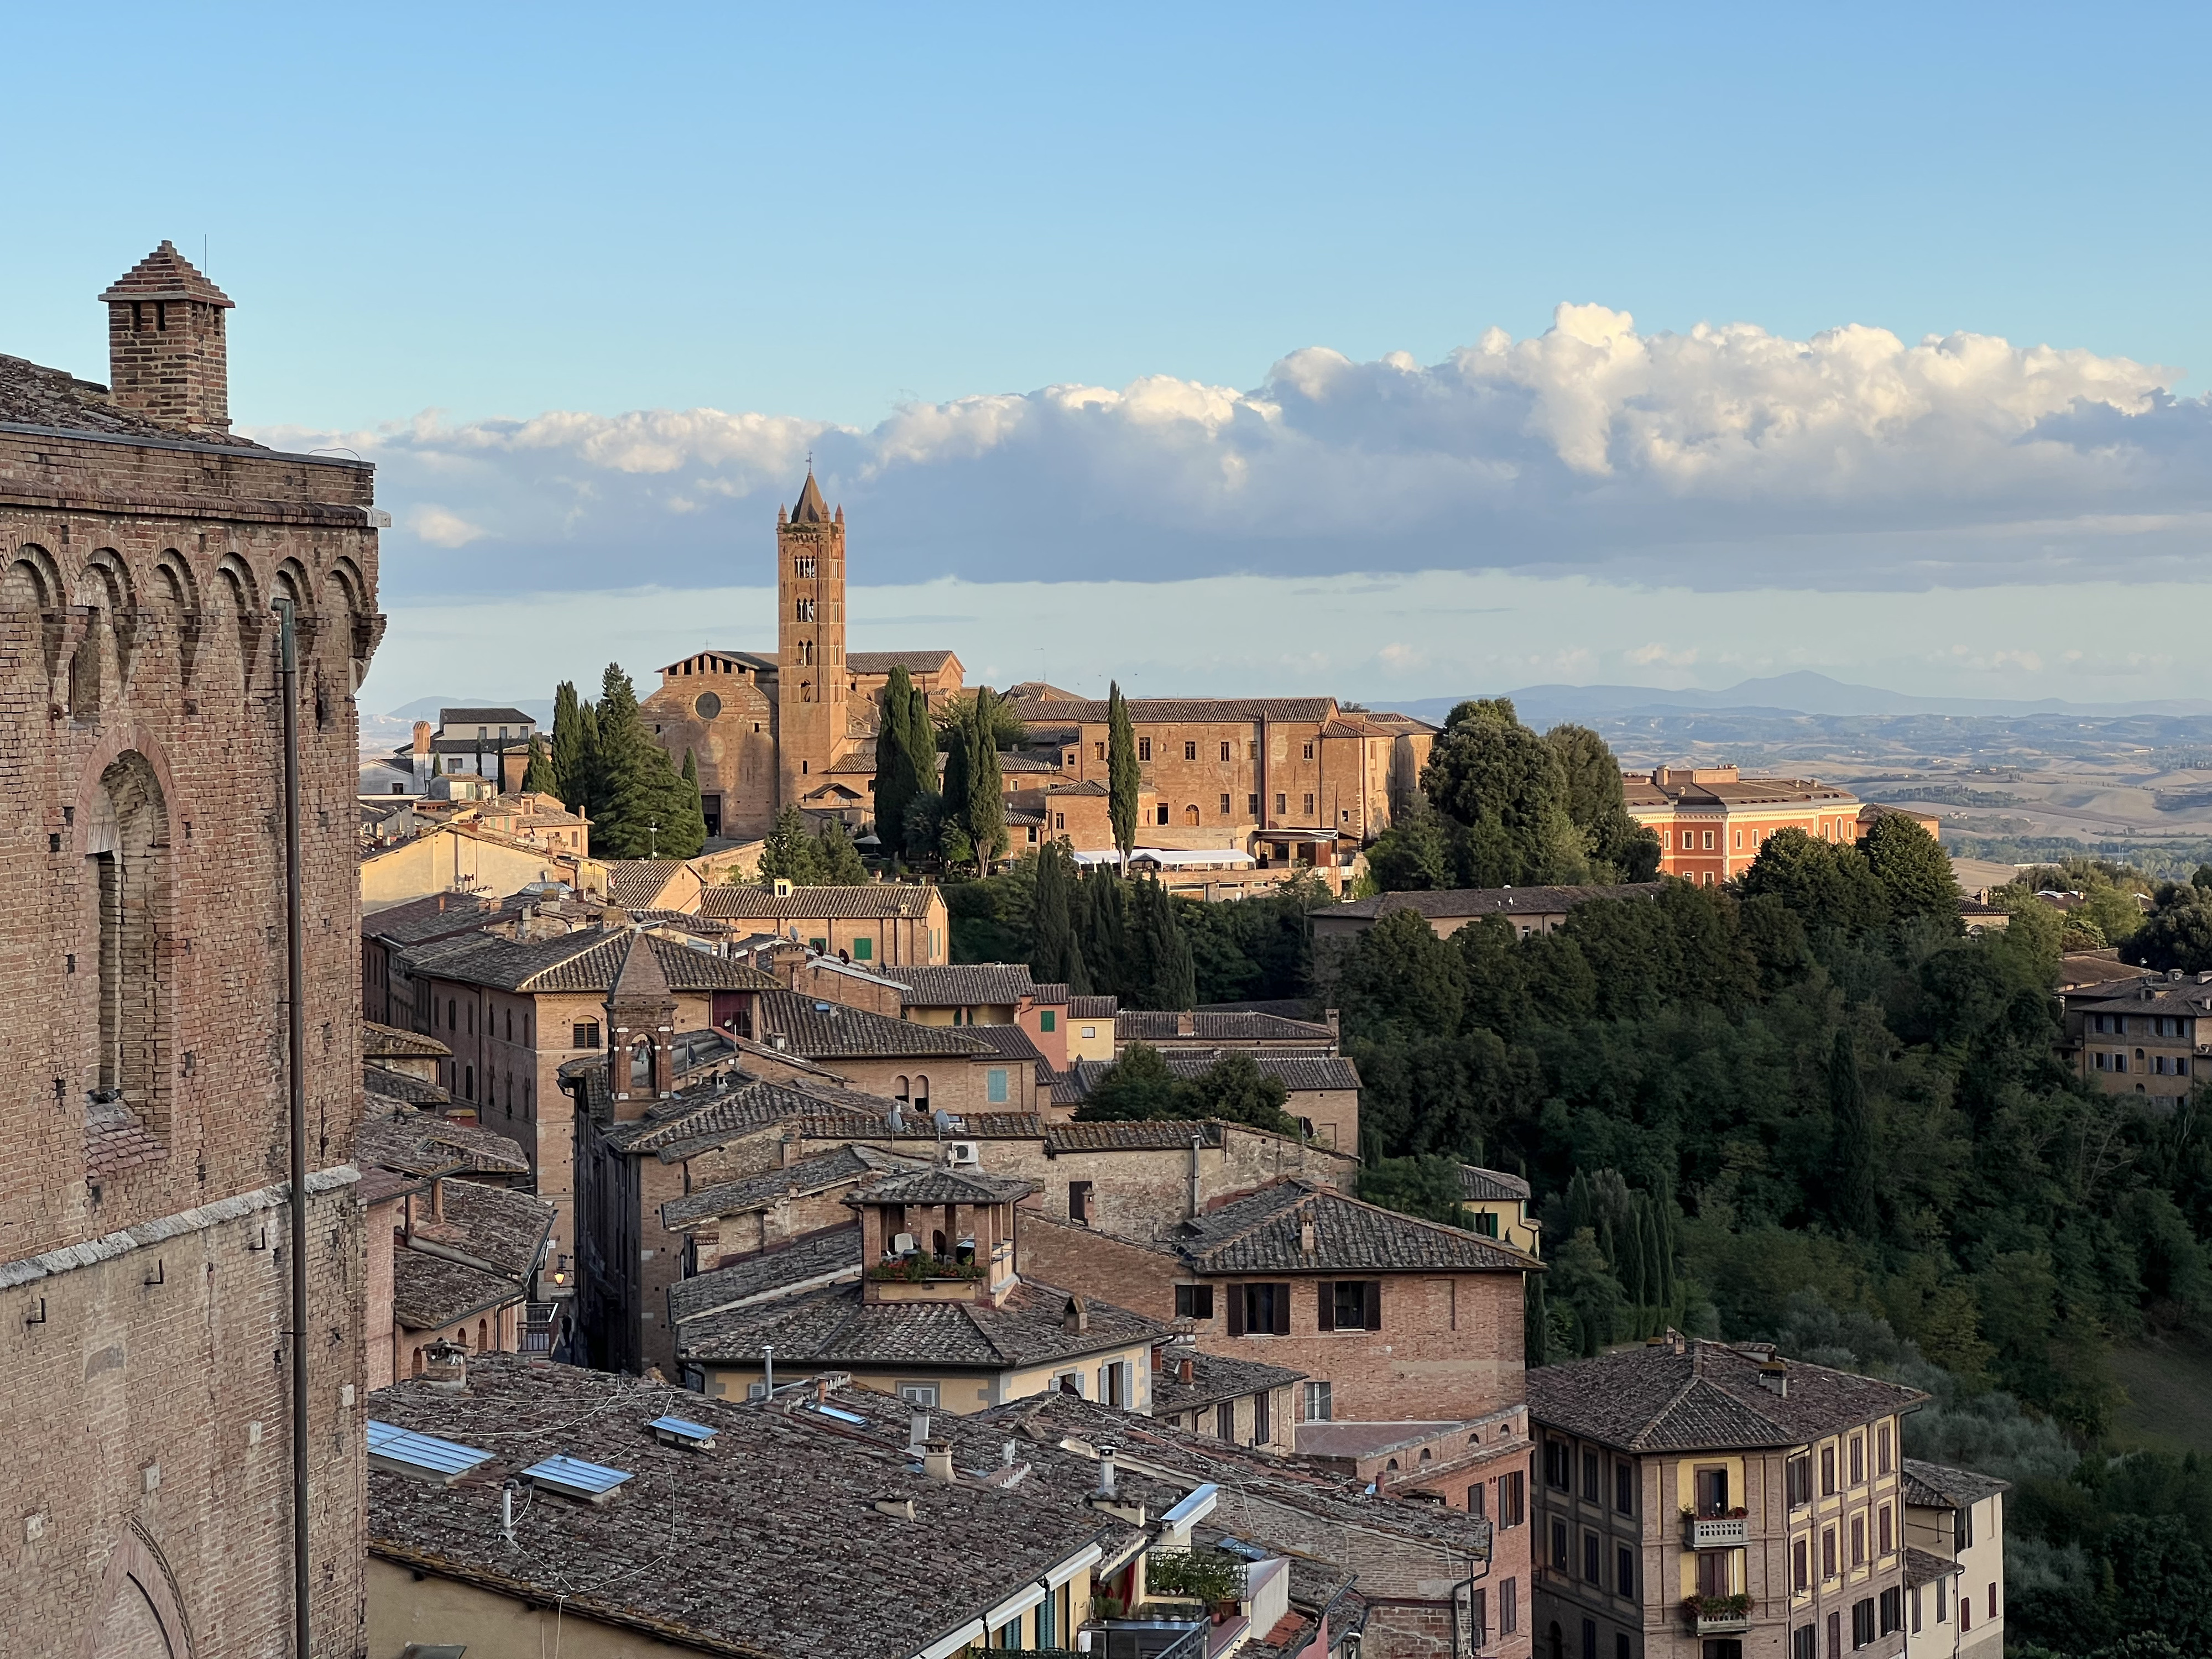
(898, 1118)
(942, 1119)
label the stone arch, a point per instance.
(31, 604)
(237, 591)
(173, 598)
(124, 831)
(107, 605)
(141, 1610)
(291, 581)
(361, 625)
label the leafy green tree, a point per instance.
(1506, 786)
(1825, 884)
(2178, 933)
(1235, 1088)
(538, 778)
(1620, 848)
(1120, 770)
(1582, 1280)
(1912, 868)
(791, 854)
(1419, 854)
(1138, 1087)
(928, 832)
(840, 861)
(1427, 1187)
(1852, 1131)
(987, 800)
(1006, 728)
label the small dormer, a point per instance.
(938, 1235)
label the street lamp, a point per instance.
(653, 840)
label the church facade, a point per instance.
(797, 728)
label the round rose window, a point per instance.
(707, 707)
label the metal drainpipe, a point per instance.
(296, 1037)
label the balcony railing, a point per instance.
(1717, 1532)
(1718, 1615)
(1149, 1638)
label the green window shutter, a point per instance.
(1050, 1021)
(864, 949)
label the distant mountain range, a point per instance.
(1801, 693)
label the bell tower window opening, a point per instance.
(802, 564)
(804, 610)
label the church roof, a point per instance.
(812, 508)
(166, 274)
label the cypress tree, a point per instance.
(954, 787)
(584, 780)
(567, 758)
(1535, 1322)
(1852, 1148)
(1120, 770)
(1166, 976)
(986, 799)
(840, 861)
(921, 748)
(683, 814)
(539, 778)
(630, 795)
(1058, 957)
(1105, 938)
(898, 777)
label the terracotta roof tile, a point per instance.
(1707, 1398)
(885, 900)
(824, 1172)
(1264, 1232)
(963, 984)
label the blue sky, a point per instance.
(821, 220)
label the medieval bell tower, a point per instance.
(810, 584)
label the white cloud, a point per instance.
(435, 525)
(1724, 457)
(1643, 656)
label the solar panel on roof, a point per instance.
(574, 1476)
(841, 1416)
(423, 1456)
(679, 1431)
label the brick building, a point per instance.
(1704, 1501)
(883, 924)
(1711, 821)
(1387, 1316)
(143, 1191)
(798, 728)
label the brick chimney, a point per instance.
(167, 357)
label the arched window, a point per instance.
(922, 1092)
(899, 1089)
(483, 1337)
(641, 1066)
(807, 691)
(469, 1083)
(418, 1362)
(127, 885)
(1190, 817)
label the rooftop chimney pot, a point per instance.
(937, 1461)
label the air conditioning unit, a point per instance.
(963, 1154)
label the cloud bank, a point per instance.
(1725, 458)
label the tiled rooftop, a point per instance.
(934, 1185)
(638, 881)
(963, 984)
(1707, 1398)
(884, 900)
(389, 1042)
(829, 1031)
(1264, 1232)
(768, 1544)
(1491, 1186)
(1214, 1378)
(836, 1328)
(1297, 1073)
(1149, 1025)
(1937, 1485)
(1228, 711)
(583, 960)
(32, 395)
(497, 1232)
(804, 1262)
(422, 1143)
(824, 1172)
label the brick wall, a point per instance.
(135, 581)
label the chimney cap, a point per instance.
(165, 274)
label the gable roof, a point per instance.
(1299, 1073)
(587, 960)
(882, 662)
(728, 1108)
(1707, 1397)
(389, 1042)
(1214, 1378)
(1233, 1025)
(886, 900)
(935, 1185)
(1937, 1485)
(1143, 711)
(823, 1172)
(1263, 1232)
(635, 882)
(1491, 1186)
(829, 1255)
(478, 1254)
(830, 1030)
(963, 984)
(838, 1328)
(423, 1144)
(484, 717)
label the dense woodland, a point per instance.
(1808, 1107)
